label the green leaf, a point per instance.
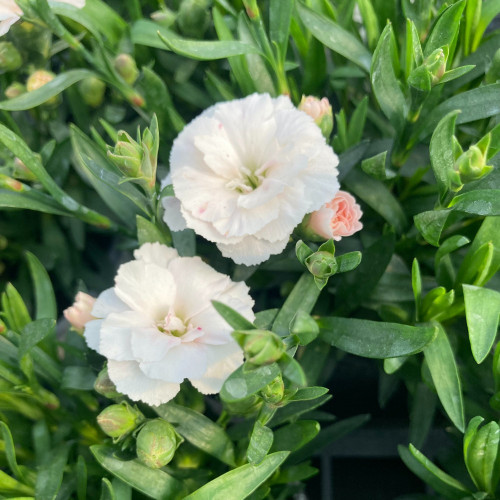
(489, 10)
(482, 310)
(233, 318)
(357, 122)
(309, 393)
(334, 36)
(107, 491)
(422, 467)
(9, 486)
(81, 478)
(375, 166)
(444, 372)
(14, 308)
(33, 333)
(449, 245)
(280, 16)
(370, 22)
(348, 261)
(241, 384)
(292, 370)
(384, 80)
(10, 452)
(441, 152)
(30, 100)
(431, 224)
(422, 412)
(445, 30)
(31, 200)
(416, 284)
(240, 482)
(456, 73)
(303, 297)
(294, 436)
(152, 482)
(44, 293)
(151, 34)
(185, 242)
(375, 194)
(350, 158)
(50, 473)
(375, 339)
(260, 443)
(147, 232)
(199, 430)
(294, 409)
(80, 378)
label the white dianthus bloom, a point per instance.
(246, 172)
(157, 325)
(10, 12)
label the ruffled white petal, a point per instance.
(149, 344)
(92, 333)
(172, 215)
(108, 303)
(156, 253)
(130, 380)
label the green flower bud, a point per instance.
(11, 184)
(261, 347)
(244, 407)
(274, 391)
(165, 17)
(38, 79)
(471, 165)
(320, 111)
(482, 454)
(92, 90)
(10, 58)
(127, 155)
(321, 264)
(15, 90)
(156, 443)
(105, 386)
(127, 68)
(117, 421)
(435, 63)
(193, 17)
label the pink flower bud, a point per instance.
(339, 217)
(79, 314)
(320, 111)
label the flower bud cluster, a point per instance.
(431, 71)
(320, 111)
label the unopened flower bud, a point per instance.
(471, 165)
(127, 68)
(105, 386)
(274, 391)
(435, 63)
(15, 90)
(261, 347)
(156, 443)
(11, 184)
(321, 264)
(117, 421)
(244, 407)
(320, 111)
(127, 155)
(193, 17)
(92, 90)
(3, 328)
(165, 17)
(80, 313)
(10, 58)
(37, 80)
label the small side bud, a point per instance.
(126, 67)
(92, 90)
(322, 264)
(37, 80)
(105, 386)
(320, 111)
(127, 155)
(193, 18)
(156, 443)
(261, 347)
(274, 391)
(117, 421)
(11, 184)
(435, 63)
(165, 17)
(15, 90)
(10, 58)
(244, 407)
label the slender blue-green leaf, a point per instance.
(33, 333)
(385, 83)
(295, 409)
(81, 478)
(422, 412)
(260, 443)
(421, 466)
(375, 339)
(308, 393)
(45, 299)
(14, 308)
(441, 152)
(13, 488)
(280, 16)
(36, 97)
(240, 482)
(489, 10)
(441, 362)
(242, 384)
(450, 245)
(107, 491)
(31, 200)
(154, 483)
(232, 317)
(148, 33)
(50, 474)
(482, 311)
(335, 37)
(10, 452)
(80, 378)
(199, 430)
(294, 436)
(445, 29)
(147, 232)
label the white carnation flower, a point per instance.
(157, 325)
(246, 172)
(10, 12)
